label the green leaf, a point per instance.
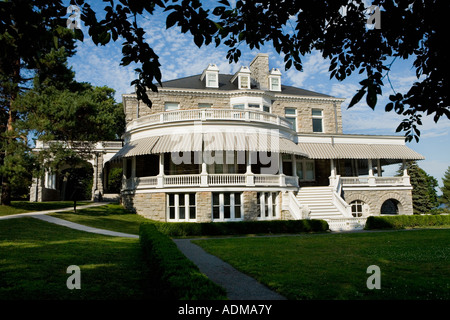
(358, 96)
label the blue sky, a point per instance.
(180, 57)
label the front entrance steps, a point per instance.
(319, 201)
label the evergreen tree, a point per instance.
(445, 199)
(424, 195)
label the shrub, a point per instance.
(169, 273)
(184, 229)
(404, 221)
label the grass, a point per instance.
(414, 264)
(35, 256)
(110, 217)
(26, 206)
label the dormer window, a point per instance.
(244, 82)
(211, 76)
(242, 78)
(275, 80)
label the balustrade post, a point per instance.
(160, 177)
(371, 180)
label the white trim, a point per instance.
(232, 206)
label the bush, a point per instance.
(403, 221)
(184, 229)
(170, 274)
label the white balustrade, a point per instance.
(379, 181)
(209, 114)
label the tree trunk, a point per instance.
(6, 185)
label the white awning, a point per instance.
(210, 141)
(359, 151)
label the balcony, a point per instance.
(355, 182)
(210, 180)
(209, 114)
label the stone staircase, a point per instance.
(320, 202)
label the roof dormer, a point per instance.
(275, 80)
(211, 76)
(243, 78)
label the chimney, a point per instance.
(260, 71)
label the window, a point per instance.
(239, 106)
(357, 208)
(204, 105)
(317, 122)
(266, 108)
(305, 170)
(244, 82)
(275, 84)
(170, 106)
(267, 204)
(253, 106)
(227, 206)
(291, 115)
(181, 207)
(211, 80)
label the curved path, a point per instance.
(238, 285)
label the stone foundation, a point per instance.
(374, 199)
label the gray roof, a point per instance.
(193, 82)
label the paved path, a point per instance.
(239, 286)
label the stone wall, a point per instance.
(148, 205)
(204, 206)
(375, 199)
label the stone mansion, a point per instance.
(243, 146)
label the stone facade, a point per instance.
(374, 199)
(204, 206)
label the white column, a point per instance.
(372, 181)
(160, 177)
(249, 176)
(406, 180)
(204, 173)
(332, 173)
(282, 175)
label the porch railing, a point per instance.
(375, 181)
(209, 114)
(205, 180)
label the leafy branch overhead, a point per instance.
(410, 29)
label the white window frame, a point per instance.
(170, 106)
(291, 116)
(240, 82)
(272, 212)
(212, 80)
(355, 204)
(232, 205)
(187, 206)
(316, 117)
(273, 86)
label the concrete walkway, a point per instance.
(239, 286)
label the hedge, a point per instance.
(183, 229)
(406, 221)
(170, 275)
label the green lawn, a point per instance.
(26, 206)
(35, 256)
(414, 264)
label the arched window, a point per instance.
(390, 206)
(357, 208)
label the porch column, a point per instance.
(294, 169)
(371, 180)
(280, 166)
(249, 176)
(406, 180)
(133, 171)
(204, 173)
(332, 173)
(160, 177)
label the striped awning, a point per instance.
(359, 151)
(210, 141)
(137, 148)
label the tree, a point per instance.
(28, 30)
(445, 198)
(424, 196)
